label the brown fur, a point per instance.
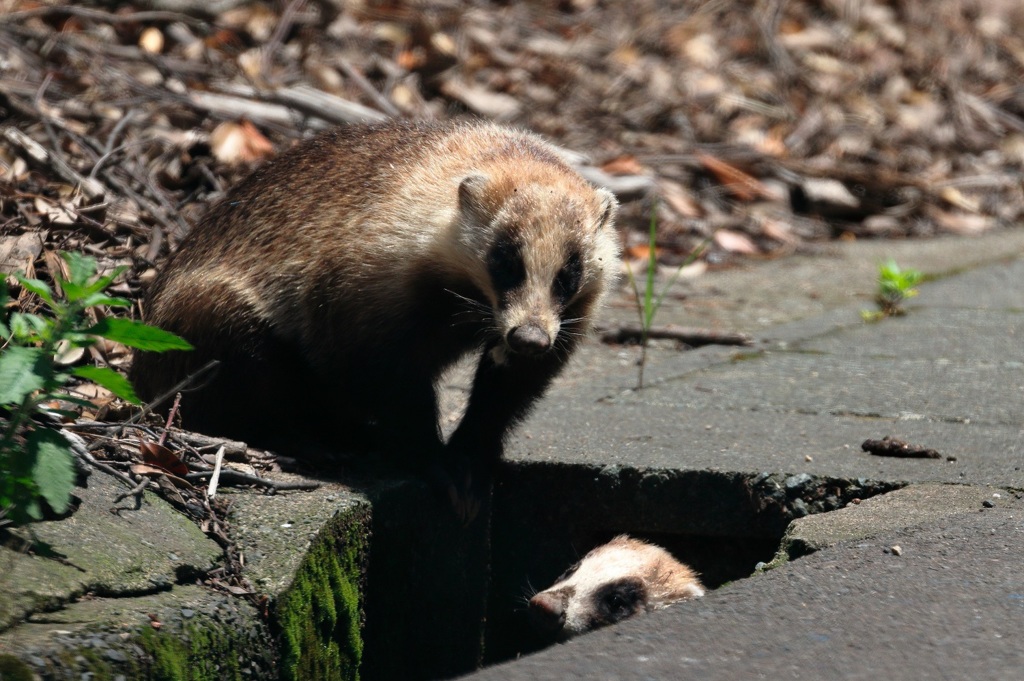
(615, 581)
(338, 281)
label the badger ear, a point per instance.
(609, 206)
(471, 197)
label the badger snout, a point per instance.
(528, 339)
(547, 612)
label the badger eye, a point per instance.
(619, 600)
(568, 279)
(505, 265)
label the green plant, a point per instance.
(36, 460)
(895, 285)
(647, 304)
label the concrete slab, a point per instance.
(951, 606)
(667, 437)
(948, 602)
(913, 506)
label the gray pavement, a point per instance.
(948, 603)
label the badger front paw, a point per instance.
(465, 483)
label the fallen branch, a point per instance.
(321, 107)
(91, 188)
(890, 446)
(634, 333)
(232, 448)
(239, 478)
(106, 17)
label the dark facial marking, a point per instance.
(568, 279)
(505, 265)
(618, 600)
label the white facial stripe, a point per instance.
(609, 564)
(624, 558)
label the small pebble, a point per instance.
(896, 550)
(798, 481)
(799, 508)
(987, 504)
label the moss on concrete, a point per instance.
(199, 653)
(320, 613)
(203, 635)
(13, 669)
(92, 661)
(94, 551)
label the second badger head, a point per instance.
(616, 581)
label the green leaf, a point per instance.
(103, 299)
(72, 291)
(27, 327)
(54, 469)
(40, 288)
(81, 268)
(32, 510)
(22, 372)
(105, 281)
(138, 335)
(79, 340)
(109, 379)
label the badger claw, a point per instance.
(464, 488)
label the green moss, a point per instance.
(320, 615)
(13, 669)
(169, 653)
(198, 653)
(202, 651)
(87, 658)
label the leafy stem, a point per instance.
(648, 304)
(35, 459)
(895, 285)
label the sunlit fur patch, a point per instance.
(356, 263)
(665, 580)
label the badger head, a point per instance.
(543, 252)
(615, 581)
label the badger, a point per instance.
(617, 580)
(336, 283)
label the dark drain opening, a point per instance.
(431, 612)
(547, 516)
(718, 560)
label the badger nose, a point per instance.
(528, 339)
(547, 613)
